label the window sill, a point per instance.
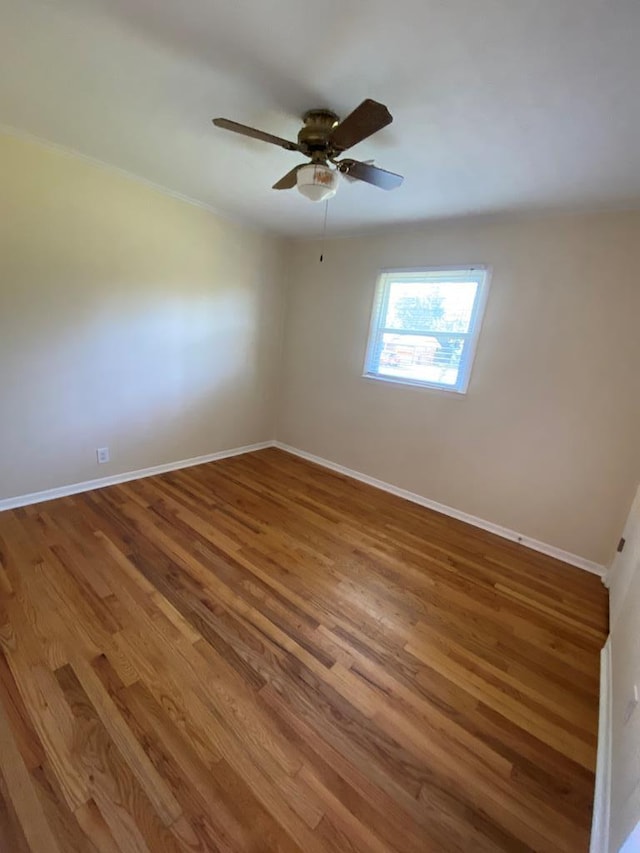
(416, 383)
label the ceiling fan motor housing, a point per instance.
(314, 135)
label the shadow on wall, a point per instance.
(165, 381)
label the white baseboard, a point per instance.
(512, 535)
(602, 799)
(87, 485)
(504, 532)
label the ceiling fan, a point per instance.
(323, 138)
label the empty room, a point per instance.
(319, 426)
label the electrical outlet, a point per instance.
(102, 454)
(632, 704)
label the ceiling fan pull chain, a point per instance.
(324, 230)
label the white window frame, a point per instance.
(480, 273)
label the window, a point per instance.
(425, 325)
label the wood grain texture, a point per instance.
(258, 654)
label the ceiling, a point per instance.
(498, 105)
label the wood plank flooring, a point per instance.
(261, 655)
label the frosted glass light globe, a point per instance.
(317, 182)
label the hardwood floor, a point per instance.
(258, 654)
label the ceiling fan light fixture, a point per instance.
(317, 182)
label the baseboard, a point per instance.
(87, 485)
(602, 799)
(504, 532)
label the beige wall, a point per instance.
(134, 320)
(625, 672)
(127, 318)
(546, 440)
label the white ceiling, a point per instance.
(499, 105)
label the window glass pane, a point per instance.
(435, 306)
(425, 326)
(422, 358)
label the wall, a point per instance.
(625, 672)
(128, 318)
(132, 319)
(545, 441)
(632, 844)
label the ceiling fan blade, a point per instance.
(348, 177)
(366, 119)
(245, 130)
(289, 180)
(370, 174)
